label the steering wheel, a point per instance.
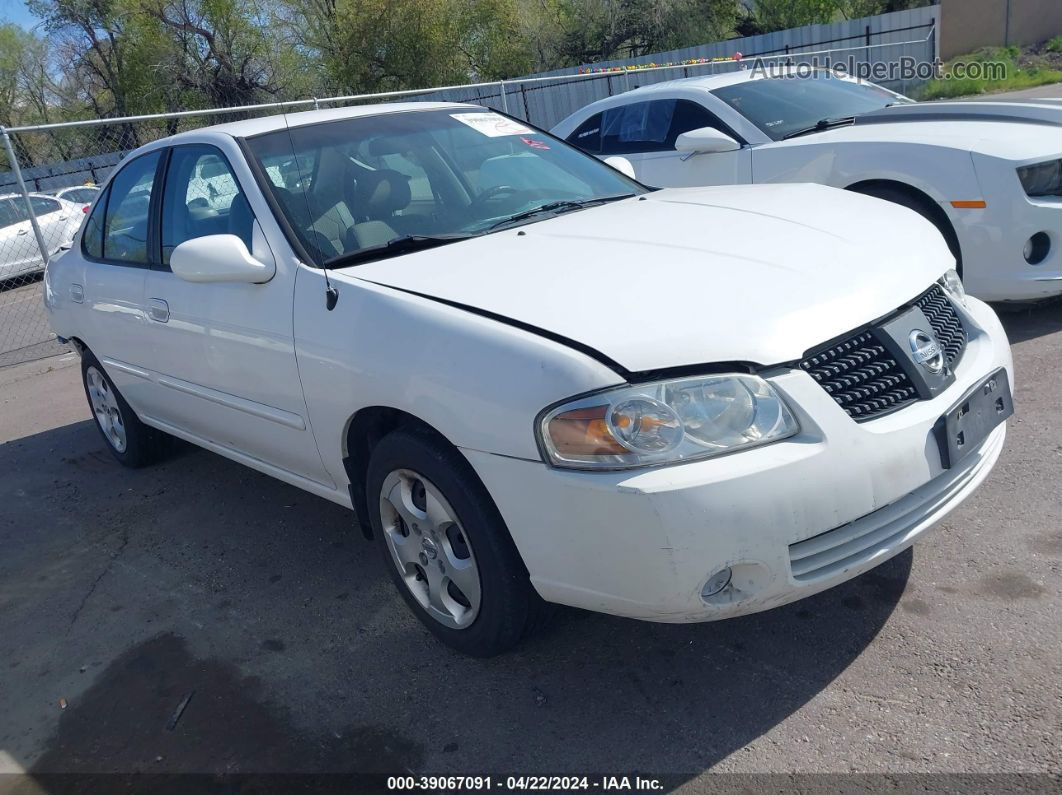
(492, 192)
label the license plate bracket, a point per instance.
(969, 422)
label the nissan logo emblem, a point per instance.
(926, 351)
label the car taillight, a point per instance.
(85, 209)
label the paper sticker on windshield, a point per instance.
(492, 124)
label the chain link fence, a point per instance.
(55, 169)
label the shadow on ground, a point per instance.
(127, 591)
(1028, 322)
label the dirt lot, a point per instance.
(122, 592)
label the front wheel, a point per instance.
(446, 546)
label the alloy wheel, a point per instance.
(105, 407)
(430, 548)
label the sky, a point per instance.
(16, 11)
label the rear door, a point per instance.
(19, 252)
(224, 353)
(116, 247)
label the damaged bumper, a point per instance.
(789, 519)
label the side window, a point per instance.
(81, 195)
(638, 127)
(125, 232)
(42, 206)
(8, 216)
(587, 136)
(92, 237)
(18, 210)
(202, 197)
(692, 116)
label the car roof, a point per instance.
(279, 121)
(706, 82)
(712, 82)
(38, 194)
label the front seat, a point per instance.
(378, 196)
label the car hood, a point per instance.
(681, 277)
(1010, 130)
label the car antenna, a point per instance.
(331, 291)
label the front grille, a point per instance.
(862, 377)
(948, 328)
(865, 379)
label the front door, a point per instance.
(224, 353)
(645, 134)
(685, 170)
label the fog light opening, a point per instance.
(716, 583)
(1037, 248)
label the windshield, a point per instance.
(364, 183)
(783, 105)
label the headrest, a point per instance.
(382, 192)
(241, 219)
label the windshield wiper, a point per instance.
(564, 205)
(400, 245)
(820, 125)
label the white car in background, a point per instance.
(988, 175)
(531, 377)
(81, 195)
(20, 254)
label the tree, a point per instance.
(574, 32)
(385, 45)
(220, 49)
(774, 15)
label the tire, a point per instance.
(130, 441)
(922, 205)
(421, 492)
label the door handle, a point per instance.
(158, 310)
(23, 231)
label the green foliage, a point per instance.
(781, 14)
(1021, 71)
(1054, 45)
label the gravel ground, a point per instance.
(122, 592)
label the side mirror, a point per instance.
(621, 164)
(219, 258)
(705, 140)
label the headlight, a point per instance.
(665, 422)
(1042, 179)
(952, 284)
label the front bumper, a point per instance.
(992, 239)
(791, 518)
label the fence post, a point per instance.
(504, 98)
(25, 194)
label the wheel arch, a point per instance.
(939, 217)
(364, 430)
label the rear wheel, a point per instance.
(445, 544)
(132, 442)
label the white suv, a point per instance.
(534, 379)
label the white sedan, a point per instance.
(533, 379)
(20, 254)
(987, 175)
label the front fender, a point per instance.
(477, 381)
